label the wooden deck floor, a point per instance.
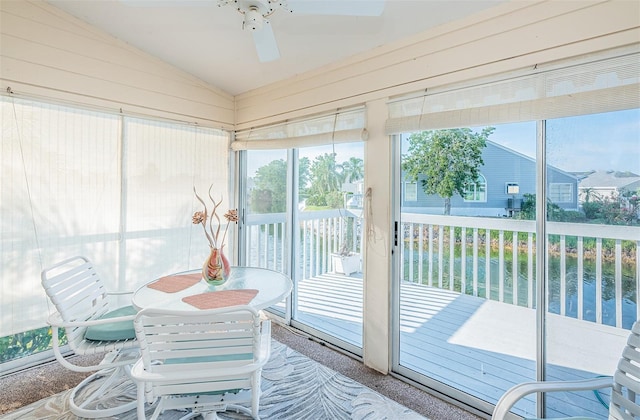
(480, 347)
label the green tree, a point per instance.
(261, 201)
(620, 209)
(303, 177)
(324, 178)
(270, 192)
(449, 159)
(352, 170)
(528, 209)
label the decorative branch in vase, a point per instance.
(216, 267)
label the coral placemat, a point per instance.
(173, 284)
(221, 299)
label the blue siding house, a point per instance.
(505, 177)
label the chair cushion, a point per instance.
(207, 359)
(122, 330)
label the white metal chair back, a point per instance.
(81, 300)
(626, 380)
(625, 385)
(78, 293)
(208, 360)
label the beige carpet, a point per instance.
(35, 384)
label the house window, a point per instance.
(476, 191)
(561, 192)
(410, 191)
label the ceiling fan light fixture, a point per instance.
(253, 19)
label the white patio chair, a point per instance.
(205, 361)
(625, 385)
(92, 327)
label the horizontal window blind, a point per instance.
(605, 85)
(59, 197)
(118, 190)
(339, 127)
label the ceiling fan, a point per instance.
(257, 12)
(256, 15)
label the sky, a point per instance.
(609, 141)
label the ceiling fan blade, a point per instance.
(165, 3)
(337, 7)
(266, 44)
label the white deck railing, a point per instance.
(430, 236)
(451, 250)
(320, 234)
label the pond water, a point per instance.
(589, 284)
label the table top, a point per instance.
(272, 287)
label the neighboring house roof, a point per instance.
(529, 158)
(610, 179)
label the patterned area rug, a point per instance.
(293, 387)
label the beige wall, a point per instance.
(46, 52)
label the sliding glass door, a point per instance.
(518, 234)
(328, 251)
(467, 298)
(303, 216)
(592, 252)
(265, 213)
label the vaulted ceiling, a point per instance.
(207, 40)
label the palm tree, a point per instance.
(590, 193)
(352, 170)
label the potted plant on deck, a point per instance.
(345, 261)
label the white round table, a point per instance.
(272, 287)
